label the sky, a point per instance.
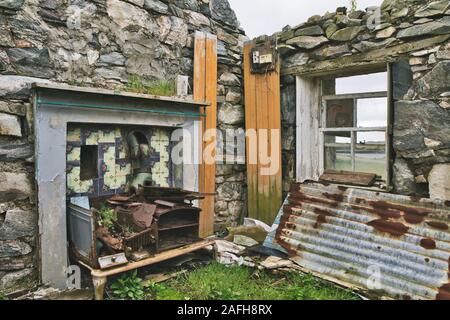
(260, 17)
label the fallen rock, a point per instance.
(244, 241)
(230, 259)
(249, 222)
(221, 246)
(276, 263)
(257, 233)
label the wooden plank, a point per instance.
(262, 123)
(308, 138)
(274, 113)
(150, 261)
(349, 178)
(210, 123)
(251, 143)
(199, 95)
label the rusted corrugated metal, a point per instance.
(386, 244)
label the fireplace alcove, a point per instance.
(59, 107)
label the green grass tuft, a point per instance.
(157, 88)
(218, 282)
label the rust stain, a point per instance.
(428, 244)
(444, 292)
(438, 225)
(395, 229)
(335, 197)
(298, 197)
(411, 215)
(321, 217)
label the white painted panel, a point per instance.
(308, 113)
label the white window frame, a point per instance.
(352, 130)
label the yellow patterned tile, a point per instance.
(74, 154)
(106, 136)
(75, 184)
(74, 135)
(92, 139)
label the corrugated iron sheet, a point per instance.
(385, 244)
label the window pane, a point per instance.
(340, 113)
(372, 112)
(364, 83)
(338, 151)
(370, 153)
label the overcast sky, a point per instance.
(259, 17)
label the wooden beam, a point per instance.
(205, 88)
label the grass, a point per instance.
(218, 282)
(158, 88)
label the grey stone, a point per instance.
(399, 13)
(115, 73)
(433, 9)
(18, 280)
(422, 21)
(197, 19)
(307, 42)
(187, 4)
(297, 59)
(403, 179)
(386, 33)
(443, 55)
(440, 26)
(231, 114)
(172, 30)
(127, 15)
(11, 4)
(288, 104)
(18, 224)
(14, 186)
(17, 87)
(157, 6)
(439, 182)
(244, 241)
(16, 263)
(415, 120)
(330, 52)
(309, 31)
(13, 107)
(112, 59)
(330, 30)
(345, 21)
(347, 34)
(221, 11)
(231, 191)
(14, 248)
(369, 45)
(233, 97)
(31, 62)
(10, 125)
(6, 39)
(229, 79)
(436, 81)
(13, 152)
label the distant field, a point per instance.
(367, 163)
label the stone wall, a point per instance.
(416, 31)
(99, 43)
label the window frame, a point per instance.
(323, 129)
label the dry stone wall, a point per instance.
(100, 43)
(415, 31)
